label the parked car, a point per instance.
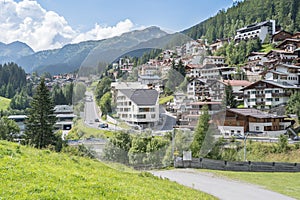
(296, 138)
(238, 136)
(97, 120)
(103, 125)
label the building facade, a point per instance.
(250, 121)
(138, 107)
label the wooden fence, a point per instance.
(204, 163)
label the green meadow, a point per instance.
(28, 173)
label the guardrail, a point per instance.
(204, 163)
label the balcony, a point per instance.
(281, 94)
(260, 103)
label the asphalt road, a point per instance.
(90, 111)
(221, 188)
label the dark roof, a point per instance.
(288, 40)
(255, 25)
(284, 85)
(141, 97)
(253, 113)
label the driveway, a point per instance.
(219, 187)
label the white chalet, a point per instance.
(266, 94)
(217, 60)
(138, 107)
(284, 73)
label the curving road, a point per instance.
(221, 188)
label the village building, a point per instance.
(64, 117)
(258, 30)
(266, 94)
(138, 107)
(250, 121)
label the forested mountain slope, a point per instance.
(226, 22)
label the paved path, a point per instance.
(219, 187)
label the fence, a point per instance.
(204, 163)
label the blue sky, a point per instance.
(175, 15)
(49, 24)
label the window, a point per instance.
(238, 132)
(257, 128)
(141, 116)
(276, 99)
(144, 109)
(232, 131)
(268, 91)
(152, 116)
(276, 91)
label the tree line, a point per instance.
(225, 23)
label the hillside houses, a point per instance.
(270, 78)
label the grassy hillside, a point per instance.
(27, 173)
(4, 103)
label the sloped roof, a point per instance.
(254, 25)
(237, 82)
(253, 113)
(141, 97)
(284, 85)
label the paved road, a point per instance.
(90, 111)
(219, 187)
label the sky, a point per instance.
(49, 24)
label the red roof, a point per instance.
(194, 65)
(237, 82)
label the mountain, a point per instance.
(14, 51)
(86, 54)
(225, 23)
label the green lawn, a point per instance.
(87, 132)
(266, 48)
(4, 103)
(28, 173)
(284, 183)
(164, 100)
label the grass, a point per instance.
(4, 103)
(284, 183)
(28, 173)
(267, 152)
(80, 130)
(266, 48)
(164, 100)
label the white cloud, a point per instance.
(28, 22)
(102, 32)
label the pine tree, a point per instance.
(229, 97)
(41, 119)
(200, 132)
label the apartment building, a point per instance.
(138, 107)
(257, 30)
(64, 115)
